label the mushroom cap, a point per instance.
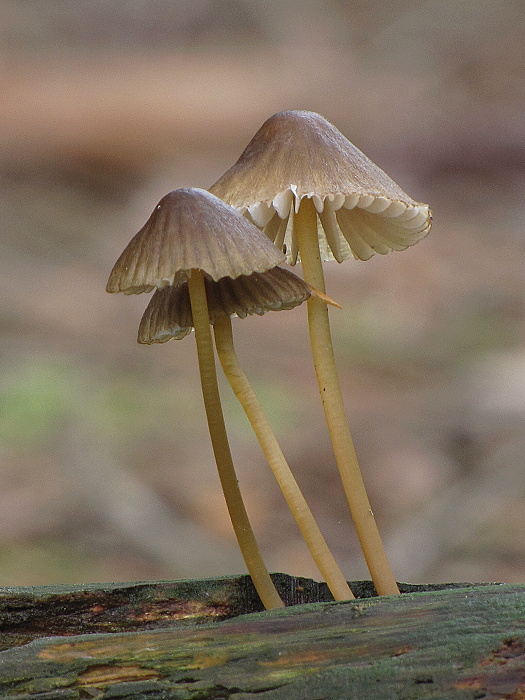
(191, 229)
(168, 314)
(296, 154)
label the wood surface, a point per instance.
(203, 639)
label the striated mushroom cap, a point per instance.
(191, 229)
(296, 154)
(168, 314)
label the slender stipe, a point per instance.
(277, 461)
(235, 504)
(330, 390)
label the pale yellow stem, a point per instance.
(305, 225)
(273, 453)
(221, 449)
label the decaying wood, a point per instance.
(466, 642)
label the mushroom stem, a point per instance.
(331, 396)
(221, 449)
(291, 491)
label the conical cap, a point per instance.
(168, 315)
(191, 229)
(299, 154)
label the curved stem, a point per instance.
(221, 449)
(291, 491)
(329, 387)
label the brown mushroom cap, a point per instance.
(191, 229)
(298, 154)
(168, 314)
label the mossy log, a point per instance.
(195, 640)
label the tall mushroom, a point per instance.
(169, 315)
(318, 197)
(189, 236)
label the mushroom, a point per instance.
(169, 315)
(189, 236)
(318, 197)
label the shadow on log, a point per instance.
(194, 640)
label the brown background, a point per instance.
(106, 469)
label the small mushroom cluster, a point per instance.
(299, 191)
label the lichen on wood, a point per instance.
(454, 643)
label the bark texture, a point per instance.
(200, 640)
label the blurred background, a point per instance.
(106, 470)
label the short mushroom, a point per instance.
(190, 235)
(169, 315)
(319, 197)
